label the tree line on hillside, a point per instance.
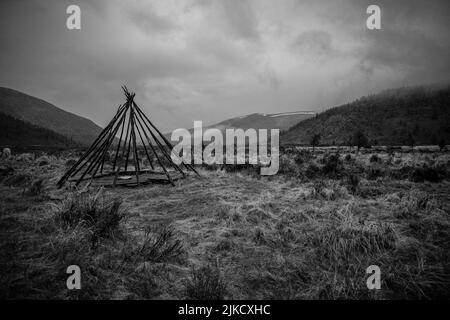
(360, 140)
(18, 133)
(406, 116)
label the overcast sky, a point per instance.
(215, 59)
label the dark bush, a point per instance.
(425, 173)
(18, 180)
(299, 159)
(206, 284)
(374, 158)
(332, 165)
(101, 216)
(211, 167)
(6, 171)
(312, 171)
(37, 187)
(400, 174)
(353, 182)
(247, 168)
(161, 246)
(374, 173)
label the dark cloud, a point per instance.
(212, 59)
(150, 21)
(241, 18)
(413, 54)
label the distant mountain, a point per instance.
(391, 117)
(19, 134)
(43, 114)
(282, 121)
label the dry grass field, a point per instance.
(309, 232)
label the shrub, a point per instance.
(348, 158)
(318, 187)
(388, 160)
(6, 171)
(374, 158)
(206, 284)
(353, 182)
(374, 173)
(287, 165)
(224, 245)
(425, 173)
(401, 173)
(312, 171)
(37, 187)
(100, 215)
(247, 167)
(71, 247)
(332, 165)
(18, 180)
(162, 246)
(299, 160)
(210, 167)
(258, 236)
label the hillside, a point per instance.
(388, 118)
(282, 121)
(43, 114)
(19, 134)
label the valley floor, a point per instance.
(231, 235)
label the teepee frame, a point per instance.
(132, 122)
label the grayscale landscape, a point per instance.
(358, 104)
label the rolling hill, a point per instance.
(45, 115)
(282, 121)
(388, 118)
(18, 134)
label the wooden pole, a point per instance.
(106, 149)
(187, 166)
(91, 148)
(145, 148)
(94, 155)
(136, 159)
(162, 149)
(118, 145)
(123, 152)
(156, 154)
(99, 154)
(112, 141)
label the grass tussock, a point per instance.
(205, 283)
(161, 246)
(410, 205)
(339, 245)
(37, 188)
(100, 215)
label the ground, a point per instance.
(309, 232)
